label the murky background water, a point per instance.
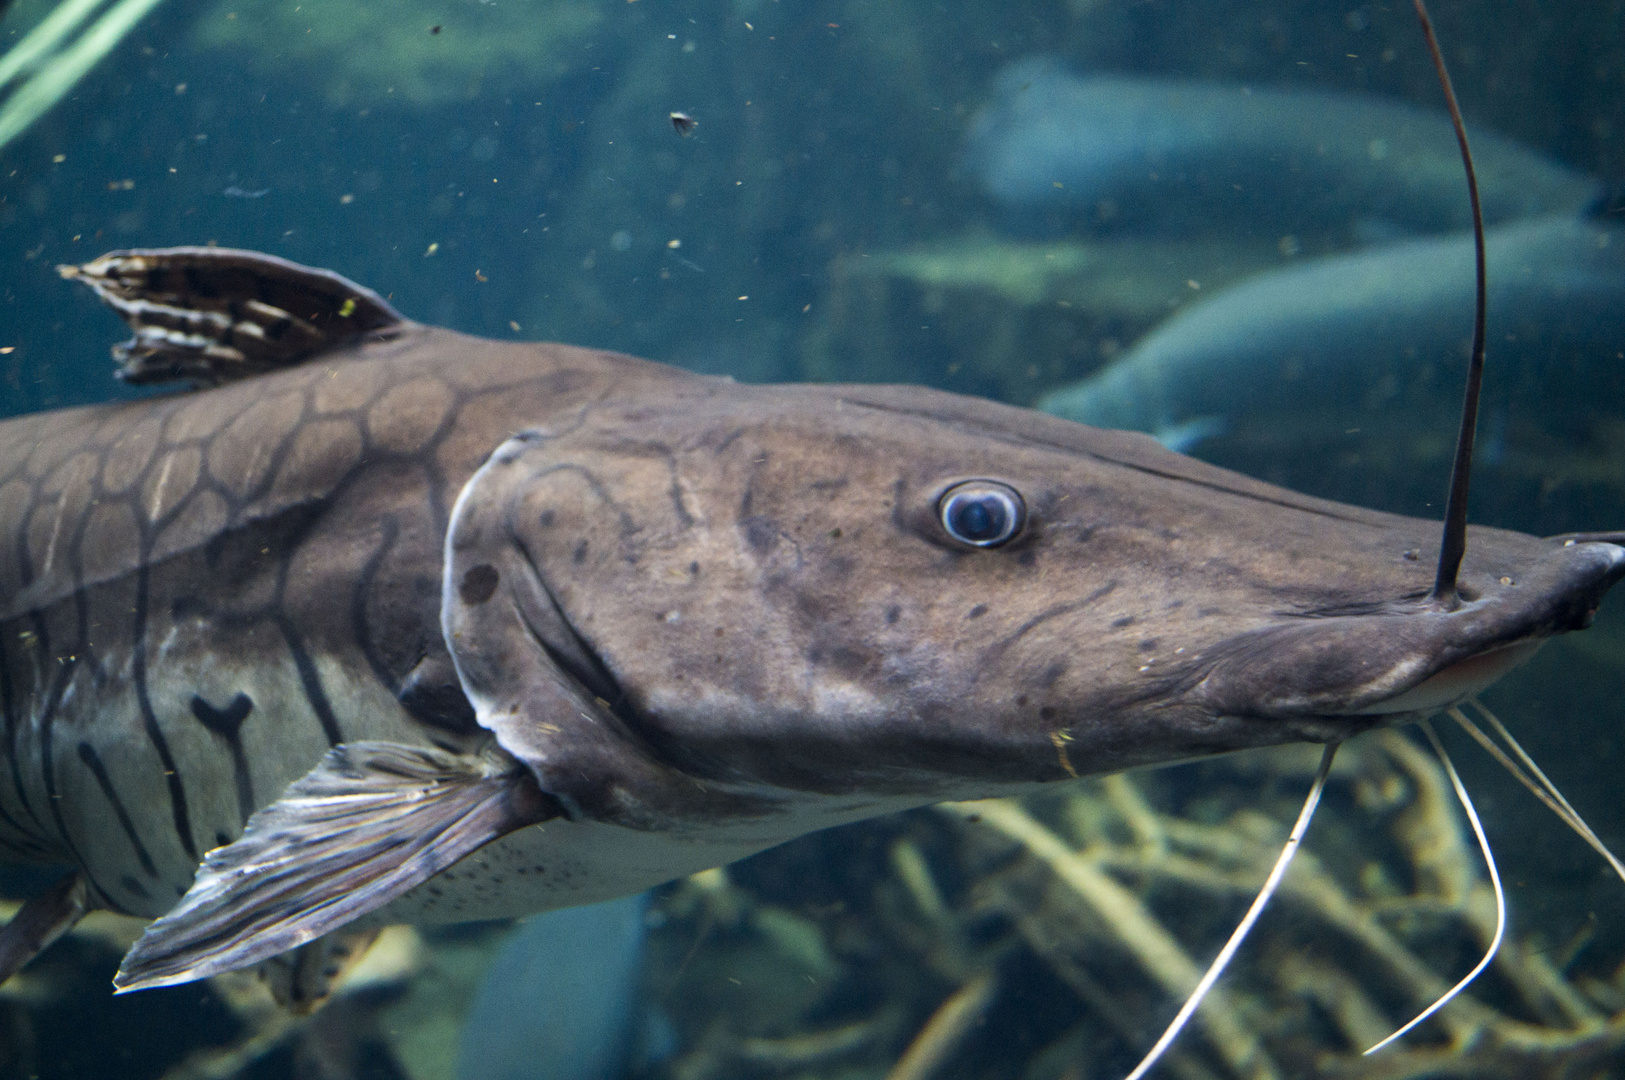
(934, 193)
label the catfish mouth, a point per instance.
(1411, 660)
(1457, 682)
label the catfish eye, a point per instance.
(982, 513)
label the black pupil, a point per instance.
(980, 518)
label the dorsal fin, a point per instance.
(215, 315)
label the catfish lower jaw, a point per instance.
(1408, 665)
(1457, 682)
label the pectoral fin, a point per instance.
(370, 822)
(42, 920)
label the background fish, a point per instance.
(1356, 360)
(560, 1001)
(1182, 157)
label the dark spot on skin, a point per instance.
(848, 661)
(1021, 701)
(893, 613)
(694, 569)
(546, 519)
(479, 584)
(719, 631)
(1149, 644)
(976, 612)
(836, 534)
(579, 555)
(1051, 675)
(760, 533)
(1047, 712)
(1126, 620)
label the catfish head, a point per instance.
(687, 609)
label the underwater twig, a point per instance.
(63, 20)
(1156, 950)
(63, 71)
(943, 1031)
(812, 1047)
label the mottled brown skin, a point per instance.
(763, 572)
(279, 536)
(695, 618)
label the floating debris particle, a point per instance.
(684, 123)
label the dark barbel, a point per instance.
(1453, 545)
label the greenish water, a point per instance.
(510, 169)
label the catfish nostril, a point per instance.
(479, 584)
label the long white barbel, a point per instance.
(1495, 883)
(1544, 790)
(1243, 928)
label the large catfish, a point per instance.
(396, 623)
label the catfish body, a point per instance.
(206, 592)
(405, 624)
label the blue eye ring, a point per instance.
(982, 513)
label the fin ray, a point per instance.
(216, 315)
(370, 822)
